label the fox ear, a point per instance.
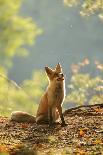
(48, 70)
(58, 68)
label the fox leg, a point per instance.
(61, 115)
(42, 119)
(50, 117)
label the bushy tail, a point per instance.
(19, 116)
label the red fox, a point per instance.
(50, 106)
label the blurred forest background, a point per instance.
(69, 32)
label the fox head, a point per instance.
(55, 74)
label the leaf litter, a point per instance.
(82, 136)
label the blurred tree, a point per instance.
(85, 89)
(15, 31)
(24, 98)
(87, 7)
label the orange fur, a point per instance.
(53, 97)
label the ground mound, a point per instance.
(83, 135)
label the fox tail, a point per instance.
(19, 116)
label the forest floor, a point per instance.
(82, 136)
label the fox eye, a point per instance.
(56, 74)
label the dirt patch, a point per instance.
(83, 135)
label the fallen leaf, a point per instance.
(98, 141)
(24, 126)
(81, 152)
(81, 133)
(98, 110)
(3, 148)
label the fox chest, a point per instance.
(57, 95)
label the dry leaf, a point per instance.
(82, 152)
(98, 141)
(3, 148)
(24, 126)
(81, 133)
(98, 110)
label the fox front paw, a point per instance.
(63, 124)
(52, 125)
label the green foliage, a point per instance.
(85, 89)
(87, 7)
(37, 84)
(15, 31)
(4, 154)
(24, 98)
